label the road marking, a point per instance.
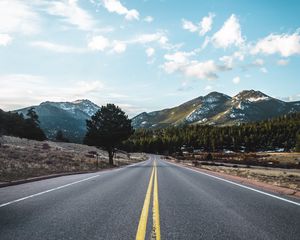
(67, 185)
(141, 232)
(156, 220)
(240, 185)
(47, 191)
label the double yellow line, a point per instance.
(141, 231)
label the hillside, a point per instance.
(22, 158)
(70, 117)
(276, 134)
(213, 109)
(218, 109)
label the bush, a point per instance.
(46, 146)
(209, 157)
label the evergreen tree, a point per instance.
(13, 124)
(59, 137)
(270, 134)
(108, 128)
(298, 142)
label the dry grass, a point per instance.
(266, 159)
(22, 158)
(283, 178)
(279, 169)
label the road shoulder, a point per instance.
(244, 181)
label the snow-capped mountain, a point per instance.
(70, 117)
(218, 109)
(213, 109)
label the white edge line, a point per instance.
(47, 191)
(63, 186)
(240, 185)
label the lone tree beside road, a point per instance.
(107, 128)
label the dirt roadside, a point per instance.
(23, 160)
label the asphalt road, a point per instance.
(150, 198)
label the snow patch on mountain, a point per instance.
(200, 112)
(256, 99)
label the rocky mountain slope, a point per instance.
(218, 109)
(70, 117)
(214, 109)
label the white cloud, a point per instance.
(72, 13)
(149, 19)
(284, 44)
(176, 61)
(228, 61)
(171, 67)
(5, 39)
(117, 7)
(60, 48)
(205, 42)
(206, 24)
(239, 55)
(263, 70)
(150, 52)
(203, 27)
(236, 80)
(188, 25)
(101, 43)
(22, 90)
(202, 70)
(98, 43)
(283, 62)
(259, 62)
(119, 47)
(181, 62)
(229, 34)
(17, 17)
(159, 37)
(179, 57)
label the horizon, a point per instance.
(146, 55)
(154, 110)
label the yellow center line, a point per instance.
(141, 232)
(156, 221)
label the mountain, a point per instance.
(218, 109)
(70, 117)
(214, 109)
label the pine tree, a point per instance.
(298, 142)
(108, 128)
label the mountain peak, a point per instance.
(80, 101)
(252, 96)
(216, 94)
(215, 97)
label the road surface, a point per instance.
(150, 199)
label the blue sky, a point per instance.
(146, 55)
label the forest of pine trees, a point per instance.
(14, 124)
(278, 133)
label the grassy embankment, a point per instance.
(22, 158)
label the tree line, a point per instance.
(277, 133)
(110, 128)
(14, 124)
